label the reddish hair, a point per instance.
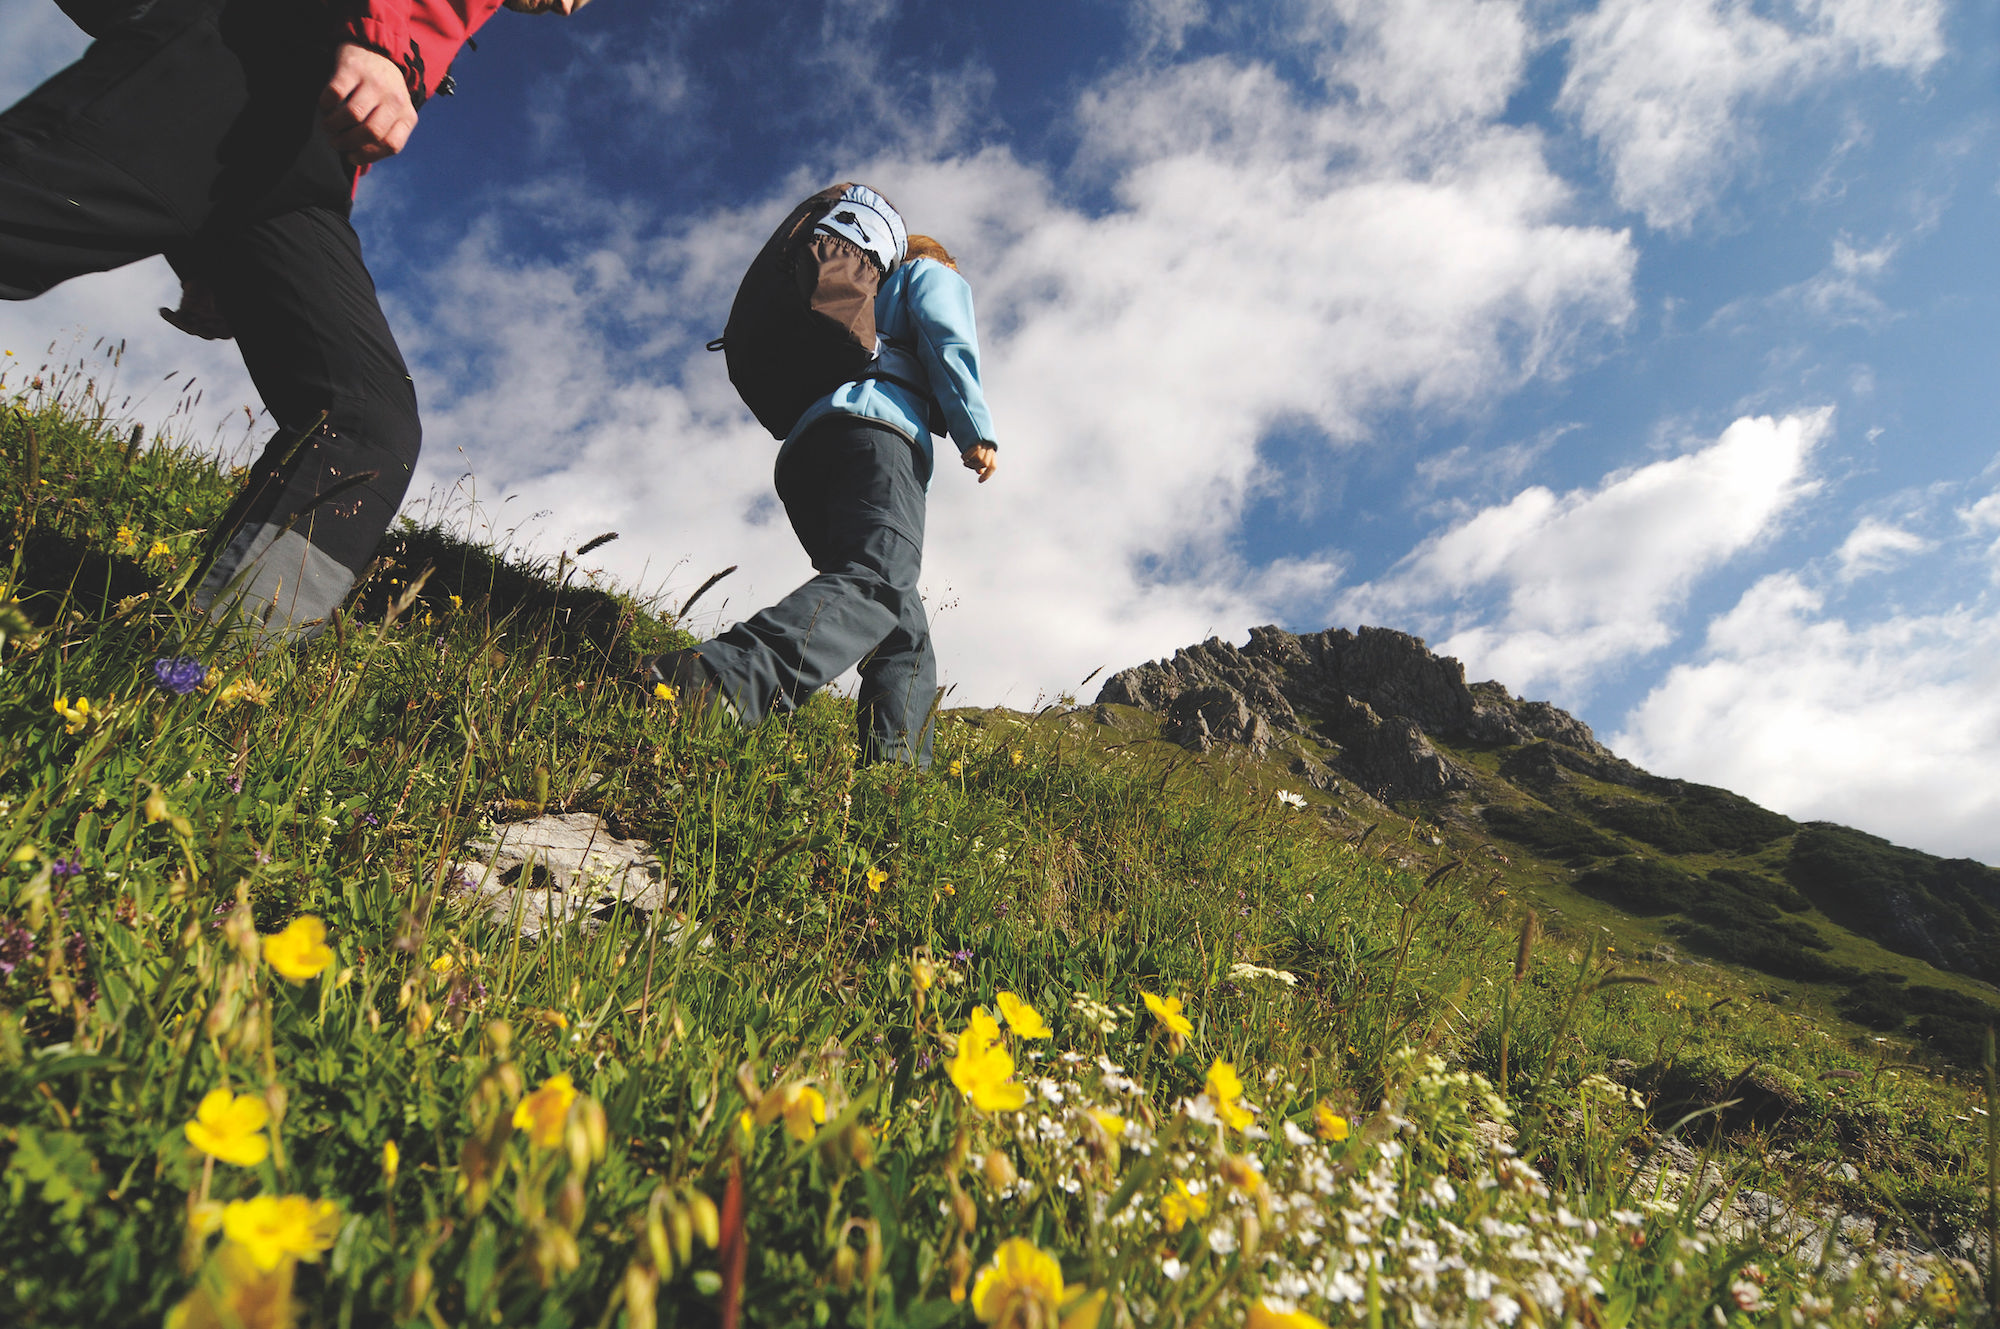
(922, 246)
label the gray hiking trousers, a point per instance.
(854, 491)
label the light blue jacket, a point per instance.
(924, 324)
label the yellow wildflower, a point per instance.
(875, 878)
(1268, 1315)
(982, 1067)
(544, 1113)
(1241, 1173)
(392, 1158)
(444, 964)
(245, 689)
(1022, 1018)
(1225, 1090)
(957, 768)
(74, 717)
(1022, 1286)
(802, 1106)
(1328, 1124)
(299, 952)
(272, 1228)
(160, 549)
(1016, 755)
(205, 1219)
(128, 540)
(457, 603)
(1167, 1010)
(664, 692)
(1180, 1204)
(806, 1110)
(1113, 1127)
(234, 1292)
(230, 1127)
(1085, 1312)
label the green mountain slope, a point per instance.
(1377, 726)
(1085, 1027)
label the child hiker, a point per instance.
(852, 475)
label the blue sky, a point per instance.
(1639, 353)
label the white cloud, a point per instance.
(1549, 589)
(1891, 726)
(1668, 87)
(195, 391)
(1876, 546)
(1265, 264)
(1429, 63)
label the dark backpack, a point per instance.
(803, 321)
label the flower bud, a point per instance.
(416, 1292)
(248, 1031)
(570, 1202)
(1252, 1234)
(964, 1210)
(656, 1234)
(707, 1223)
(960, 1267)
(682, 1223)
(871, 1264)
(641, 1286)
(999, 1170)
(596, 1127)
(860, 1146)
(499, 1037)
(845, 1265)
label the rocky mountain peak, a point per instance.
(1376, 694)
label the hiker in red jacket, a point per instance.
(228, 135)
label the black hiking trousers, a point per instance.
(190, 129)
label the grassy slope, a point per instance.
(1069, 862)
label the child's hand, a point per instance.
(984, 458)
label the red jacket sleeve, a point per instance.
(421, 36)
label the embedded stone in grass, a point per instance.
(560, 867)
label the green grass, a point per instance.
(833, 930)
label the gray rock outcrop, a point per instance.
(1376, 694)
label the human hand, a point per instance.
(983, 458)
(365, 106)
(199, 315)
(564, 7)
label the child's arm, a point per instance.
(940, 305)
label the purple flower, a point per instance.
(464, 991)
(65, 867)
(179, 674)
(17, 945)
(1004, 908)
(367, 819)
(235, 783)
(960, 957)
